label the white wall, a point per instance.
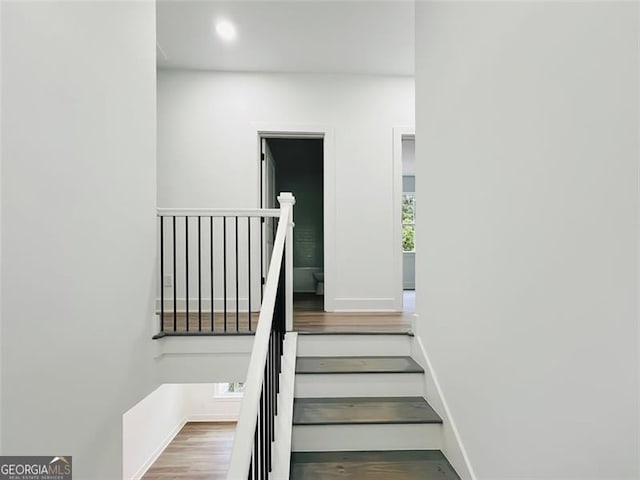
(208, 156)
(1, 355)
(151, 424)
(78, 226)
(205, 404)
(527, 175)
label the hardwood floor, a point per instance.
(385, 465)
(308, 302)
(200, 451)
(331, 365)
(363, 410)
(308, 317)
(327, 322)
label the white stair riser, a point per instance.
(353, 345)
(324, 438)
(359, 385)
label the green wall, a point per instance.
(299, 170)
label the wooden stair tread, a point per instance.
(363, 410)
(378, 465)
(320, 365)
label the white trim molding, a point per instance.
(326, 132)
(452, 445)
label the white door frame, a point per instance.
(329, 191)
(399, 133)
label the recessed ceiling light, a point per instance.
(226, 30)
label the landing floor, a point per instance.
(200, 451)
(308, 317)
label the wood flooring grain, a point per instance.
(200, 451)
(356, 322)
(303, 321)
(308, 317)
(386, 465)
(362, 364)
(363, 410)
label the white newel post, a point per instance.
(287, 198)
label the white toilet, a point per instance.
(319, 278)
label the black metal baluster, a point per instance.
(273, 385)
(269, 375)
(263, 143)
(256, 452)
(161, 273)
(199, 277)
(279, 359)
(274, 343)
(273, 397)
(260, 440)
(211, 258)
(261, 258)
(275, 373)
(237, 283)
(267, 399)
(224, 268)
(249, 269)
(280, 318)
(271, 429)
(175, 281)
(263, 463)
(186, 268)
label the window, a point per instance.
(235, 389)
(409, 222)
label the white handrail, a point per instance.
(218, 212)
(245, 429)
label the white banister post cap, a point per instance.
(286, 197)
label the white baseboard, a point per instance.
(213, 417)
(372, 304)
(452, 445)
(158, 451)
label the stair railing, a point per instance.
(212, 265)
(252, 455)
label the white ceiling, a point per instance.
(370, 37)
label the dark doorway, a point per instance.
(296, 165)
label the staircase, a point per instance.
(359, 411)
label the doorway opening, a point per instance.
(296, 165)
(408, 223)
